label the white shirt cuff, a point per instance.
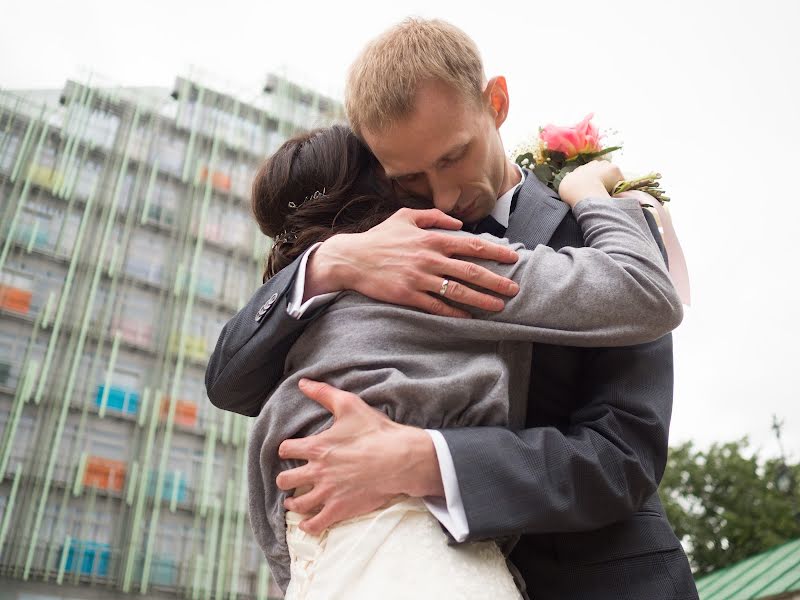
(449, 511)
(296, 307)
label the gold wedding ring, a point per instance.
(443, 289)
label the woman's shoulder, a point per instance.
(348, 299)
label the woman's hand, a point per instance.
(592, 180)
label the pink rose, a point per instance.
(583, 137)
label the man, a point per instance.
(576, 475)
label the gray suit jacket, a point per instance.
(577, 481)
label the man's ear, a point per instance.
(496, 96)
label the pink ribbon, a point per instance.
(677, 262)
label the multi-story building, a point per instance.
(126, 244)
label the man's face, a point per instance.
(448, 151)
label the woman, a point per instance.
(421, 369)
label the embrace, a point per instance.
(462, 380)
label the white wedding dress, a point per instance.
(397, 552)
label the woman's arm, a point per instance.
(616, 291)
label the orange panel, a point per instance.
(219, 180)
(105, 473)
(15, 299)
(185, 412)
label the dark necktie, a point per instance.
(490, 225)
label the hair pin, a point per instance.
(284, 237)
(313, 196)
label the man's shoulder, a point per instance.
(568, 234)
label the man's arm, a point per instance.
(393, 261)
(594, 469)
(400, 262)
(251, 349)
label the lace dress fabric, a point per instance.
(399, 551)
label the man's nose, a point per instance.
(444, 195)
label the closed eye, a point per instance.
(449, 161)
(410, 178)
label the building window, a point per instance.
(8, 152)
(145, 257)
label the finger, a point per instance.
(474, 246)
(328, 516)
(295, 478)
(435, 306)
(465, 295)
(326, 395)
(306, 503)
(478, 276)
(306, 448)
(433, 217)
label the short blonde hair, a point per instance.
(383, 81)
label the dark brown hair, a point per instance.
(355, 198)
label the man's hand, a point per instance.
(360, 463)
(400, 262)
(595, 179)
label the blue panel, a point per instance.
(206, 287)
(89, 551)
(117, 399)
(169, 482)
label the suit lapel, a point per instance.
(539, 211)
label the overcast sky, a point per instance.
(708, 93)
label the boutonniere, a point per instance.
(558, 150)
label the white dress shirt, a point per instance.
(449, 511)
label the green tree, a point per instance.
(726, 504)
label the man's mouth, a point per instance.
(464, 211)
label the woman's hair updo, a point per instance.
(317, 184)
